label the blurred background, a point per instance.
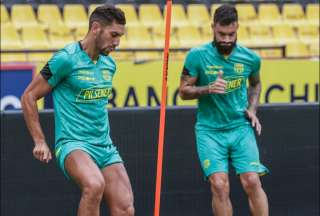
(284, 33)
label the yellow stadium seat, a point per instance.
(59, 36)
(13, 57)
(246, 14)
(159, 41)
(206, 32)
(158, 36)
(314, 49)
(150, 16)
(308, 34)
(80, 33)
(261, 36)
(297, 50)
(91, 8)
(75, 16)
(22, 15)
(178, 16)
(130, 13)
(312, 14)
(284, 34)
(293, 14)
(139, 37)
(4, 15)
(10, 39)
(198, 14)
(49, 15)
(213, 8)
(189, 36)
(243, 36)
(269, 14)
(34, 38)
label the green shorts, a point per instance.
(102, 155)
(238, 145)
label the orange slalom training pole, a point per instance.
(163, 109)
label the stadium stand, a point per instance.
(23, 15)
(247, 14)
(42, 25)
(198, 14)
(284, 34)
(269, 14)
(138, 36)
(312, 14)
(4, 15)
(50, 16)
(131, 14)
(75, 16)
(150, 16)
(189, 35)
(179, 17)
(297, 50)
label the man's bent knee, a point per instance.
(220, 187)
(123, 211)
(93, 189)
(251, 182)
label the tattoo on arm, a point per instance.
(188, 90)
(254, 91)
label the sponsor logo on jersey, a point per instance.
(214, 67)
(234, 83)
(85, 72)
(211, 72)
(85, 75)
(85, 78)
(93, 94)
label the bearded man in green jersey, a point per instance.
(216, 74)
(80, 78)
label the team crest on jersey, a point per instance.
(238, 68)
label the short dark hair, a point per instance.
(107, 14)
(225, 15)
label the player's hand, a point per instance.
(42, 152)
(218, 86)
(254, 121)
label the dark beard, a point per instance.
(223, 49)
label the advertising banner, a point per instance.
(14, 79)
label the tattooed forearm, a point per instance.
(254, 93)
(188, 90)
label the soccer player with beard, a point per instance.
(216, 74)
(80, 78)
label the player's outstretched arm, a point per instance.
(38, 88)
(254, 91)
